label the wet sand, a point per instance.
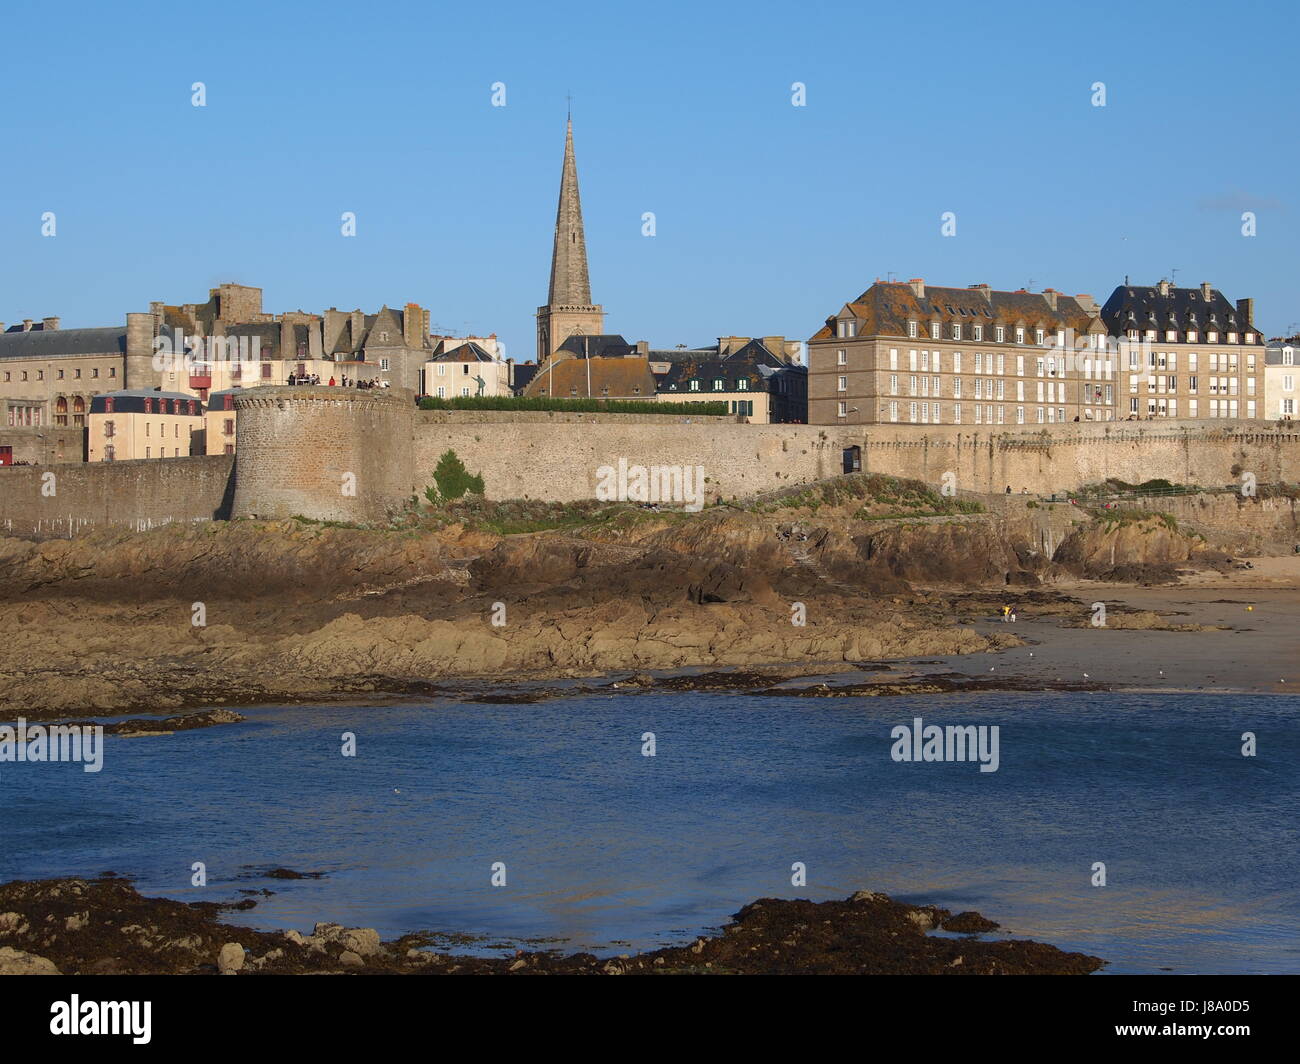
(1253, 647)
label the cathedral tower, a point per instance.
(568, 309)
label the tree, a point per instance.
(453, 480)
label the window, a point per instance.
(956, 330)
(911, 330)
(110, 429)
(843, 386)
(841, 357)
(843, 410)
(1038, 337)
(228, 426)
(1000, 333)
(893, 411)
(695, 385)
(1020, 335)
(893, 384)
(847, 328)
(383, 364)
(979, 332)
(720, 385)
(956, 361)
(934, 330)
(742, 385)
(893, 358)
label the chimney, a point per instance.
(27, 324)
(983, 289)
(1049, 294)
(1207, 290)
(918, 286)
(49, 324)
(1164, 287)
(1087, 302)
(1246, 312)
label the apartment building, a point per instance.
(1186, 352)
(905, 352)
(1280, 391)
(142, 423)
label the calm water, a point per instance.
(607, 849)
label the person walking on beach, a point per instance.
(1006, 614)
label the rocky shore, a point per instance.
(854, 573)
(104, 926)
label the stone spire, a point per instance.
(570, 283)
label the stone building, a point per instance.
(1187, 352)
(905, 352)
(758, 378)
(143, 423)
(466, 370)
(50, 375)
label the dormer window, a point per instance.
(1232, 337)
(1171, 336)
(848, 328)
(695, 385)
(1038, 337)
(1020, 334)
(999, 333)
(719, 384)
(956, 330)
(1212, 337)
(979, 332)
(742, 385)
(911, 329)
(1191, 336)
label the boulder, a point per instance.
(230, 959)
(16, 962)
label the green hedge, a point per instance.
(580, 405)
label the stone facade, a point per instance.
(333, 454)
(568, 310)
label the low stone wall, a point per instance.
(62, 500)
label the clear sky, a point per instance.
(768, 216)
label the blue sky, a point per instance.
(769, 216)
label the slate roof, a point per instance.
(752, 362)
(607, 345)
(886, 307)
(467, 352)
(58, 343)
(1138, 307)
(131, 400)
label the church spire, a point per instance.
(570, 283)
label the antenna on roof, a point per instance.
(890, 277)
(1030, 286)
(1173, 277)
